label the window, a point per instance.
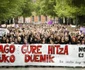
(39, 18)
(32, 18)
(46, 18)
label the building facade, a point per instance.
(35, 19)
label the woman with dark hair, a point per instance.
(25, 41)
(62, 40)
(67, 41)
(15, 41)
(19, 40)
(3, 39)
(83, 42)
(58, 39)
(43, 41)
(31, 38)
(7, 40)
(74, 40)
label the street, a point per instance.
(41, 68)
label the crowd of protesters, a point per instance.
(42, 34)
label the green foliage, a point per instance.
(13, 8)
(70, 8)
(62, 8)
(27, 8)
(45, 7)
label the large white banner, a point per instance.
(42, 55)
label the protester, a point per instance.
(42, 34)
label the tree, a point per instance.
(70, 8)
(46, 7)
(13, 8)
(10, 9)
(64, 9)
(27, 8)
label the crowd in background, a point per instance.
(42, 34)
